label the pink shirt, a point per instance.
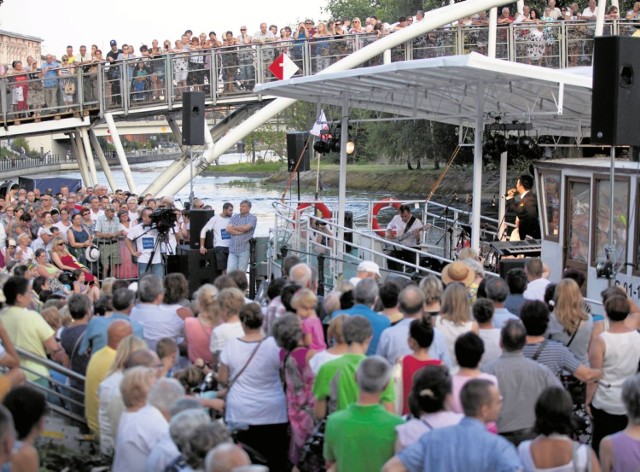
(198, 337)
(459, 381)
(313, 325)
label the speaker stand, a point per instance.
(191, 196)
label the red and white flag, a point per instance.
(283, 67)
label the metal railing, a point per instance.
(229, 73)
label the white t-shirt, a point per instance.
(400, 227)
(492, 349)
(106, 391)
(157, 322)
(219, 226)
(138, 434)
(222, 333)
(588, 13)
(145, 244)
(321, 358)
(256, 397)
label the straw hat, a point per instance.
(458, 272)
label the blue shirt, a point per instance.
(378, 323)
(465, 447)
(501, 316)
(50, 74)
(394, 343)
(240, 242)
(96, 334)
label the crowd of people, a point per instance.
(461, 371)
(53, 85)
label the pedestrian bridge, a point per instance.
(148, 88)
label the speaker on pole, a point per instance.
(197, 220)
(193, 118)
(615, 106)
(295, 146)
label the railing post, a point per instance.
(321, 259)
(252, 268)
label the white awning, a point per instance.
(555, 101)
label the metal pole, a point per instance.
(82, 165)
(502, 205)
(89, 155)
(122, 157)
(191, 179)
(611, 216)
(493, 25)
(106, 168)
(342, 184)
(477, 168)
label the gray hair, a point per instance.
(411, 300)
(248, 202)
(475, 265)
(184, 423)
(631, 398)
(149, 287)
(287, 331)
(356, 329)
(301, 274)
(496, 289)
(373, 374)
(184, 404)
(432, 288)
(164, 393)
(204, 438)
(226, 457)
(123, 298)
(366, 292)
(78, 305)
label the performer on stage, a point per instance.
(526, 209)
(404, 229)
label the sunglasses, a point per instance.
(60, 244)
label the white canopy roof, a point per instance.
(557, 102)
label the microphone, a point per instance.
(511, 190)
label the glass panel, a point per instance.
(550, 194)
(578, 221)
(602, 238)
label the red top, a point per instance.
(411, 365)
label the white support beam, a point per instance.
(122, 157)
(78, 150)
(436, 19)
(477, 167)
(86, 142)
(106, 168)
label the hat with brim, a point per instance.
(458, 272)
(92, 253)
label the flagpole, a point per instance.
(318, 110)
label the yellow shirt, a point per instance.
(97, 370)
(29, 331)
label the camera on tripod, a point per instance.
(163, 219)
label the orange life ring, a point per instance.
(319, 206)
(384, 203)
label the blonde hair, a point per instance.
(51, 315)
(304, 298)
(65, 317)
(207, 304)
(569, 305)
(455, 304)
(136, 384)
(128, 345)
(335, 329)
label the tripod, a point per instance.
(162, 242)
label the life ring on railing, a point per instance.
(319, 206)
(384, 203)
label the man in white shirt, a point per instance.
(590, 12)
(141, 242)
(405, 229)
(264, 37)
(221, 238)
(537, 284)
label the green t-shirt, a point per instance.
(341, 372)
(360, 438)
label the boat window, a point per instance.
(603, 246)
(579, 210)
(549, 192)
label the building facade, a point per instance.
(15, 46)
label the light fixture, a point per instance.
(351, 146)
(321, 147)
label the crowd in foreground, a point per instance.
(459, 372)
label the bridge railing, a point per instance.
(230, 73)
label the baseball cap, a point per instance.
(113, 42)
(369, 266)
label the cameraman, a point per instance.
(144, 237)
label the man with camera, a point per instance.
(142, 243)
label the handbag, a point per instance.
(69, 88)
(312, 457)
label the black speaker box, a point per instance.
(615, 105)
(506, 264)
(197, 219)
(198, 269)
(295, 144)
(193, 118)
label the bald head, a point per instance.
(411, 301)
(118, 330)
(142, 357)
(301, 274)
(225, 458)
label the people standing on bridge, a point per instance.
(50, 75)
(241, 228)
(113, 73)
(221, 237)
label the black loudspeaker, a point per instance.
(193, 118)
(295, 144)
(615, 105)
(348, 235)
(197, 219)
(198, 269)
(506, 264)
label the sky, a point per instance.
(137, 22)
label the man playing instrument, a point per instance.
(404, 229)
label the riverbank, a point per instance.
(394, 180)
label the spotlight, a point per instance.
(525, 143)
(351, 146)
(321, 147)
